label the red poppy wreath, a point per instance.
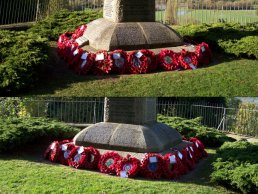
(188, 60)
(79, 32)
(119, 60)
(152, 60)
(169, 60)
(108, 161)
(172, 166)
(128, 167)
(77, 157)
(199, 146)
(52, 151)
(65, 150)
(187, 159)
(62, 43)
(203, 53)
(151, 166)
(102, 64)
(183, 167)
(84, 63)
(137, 62)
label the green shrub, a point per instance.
(17, 132)
(236, 165)
(233, 39)
(22, 59)
(193, 128)
(63, 21)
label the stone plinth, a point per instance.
(107, 35)
(130, 25)
(130, 125)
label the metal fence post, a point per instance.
(224, 119)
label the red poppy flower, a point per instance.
(79, 32)
(102, 64)
(188, 60)
(84, 63)
(199, 146)
(172, 166)
(203, 53)
(108, 161)
(151, 166)
(152, 60)
(137, 63)
(169, 60)
(65, 150)
(119, 60)
(128, 167)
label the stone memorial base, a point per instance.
(149, 138)
(104, 34)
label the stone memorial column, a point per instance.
(129, 125)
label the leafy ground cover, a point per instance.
(236, 165)
(20, 132)
(28, 172)
(193, 128)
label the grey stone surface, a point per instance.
(155, 137)
(135, 111)
(107, 35)
(129, 10)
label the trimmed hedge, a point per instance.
(64, 21)
(193, 128)
(236, 166)
(22, 59)
(233, 39)
(16, 132)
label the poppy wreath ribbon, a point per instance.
(108, 161)
(102, 64)
(204, 54)
(84, 63)
(188, 60)
(137, 62)
(65, 150)
(199, 146)
(119, 60)
(172, 166)
(152, 59)
(77, 157)
(169, 60)
(92, 158)
(151, 166)
(128, 167)
(52, 152)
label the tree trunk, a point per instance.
(171, 11)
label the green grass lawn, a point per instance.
(212, 16)
(225, 77)
(28, 172)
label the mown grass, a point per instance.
(29, 173)
(225, 77)
(186, 16)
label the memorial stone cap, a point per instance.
(129, 10)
